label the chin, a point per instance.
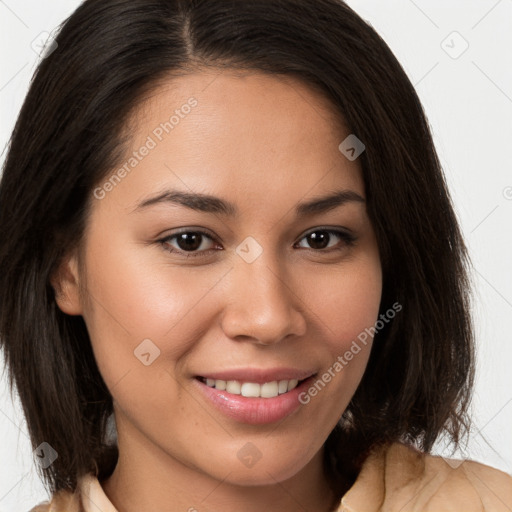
(264, 471)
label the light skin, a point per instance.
(265, 144)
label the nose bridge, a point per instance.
(262, 304)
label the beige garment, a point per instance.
(393, 479)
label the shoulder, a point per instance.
(63, 501)
(399, 477)
(88, 496)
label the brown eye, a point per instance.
(321, 239)
(190, 243)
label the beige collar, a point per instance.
(393, 478)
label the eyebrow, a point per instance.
(211, 204)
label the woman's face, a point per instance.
(264, 296)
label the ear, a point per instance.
(66, 284)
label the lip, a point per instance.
(255, 411)
(258, 375)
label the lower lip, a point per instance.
(256, 411)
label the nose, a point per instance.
(262, 305)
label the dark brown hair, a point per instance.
(68, 137)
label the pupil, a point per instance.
(189, 241)
(321, 240)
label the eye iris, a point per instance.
(189, 241)
(319, 241)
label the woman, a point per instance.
(225, 231)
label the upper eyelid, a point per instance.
(203, 231)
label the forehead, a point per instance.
(243, 91)
(247, 134)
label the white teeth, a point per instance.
(292, 384)
(233, 386)
(252, 389)
(269, 389)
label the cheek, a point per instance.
(346, 302)
(131, 302)
(347, 305)
(346, 311)
(145, 296)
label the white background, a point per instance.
(468, 101)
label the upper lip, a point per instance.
(258, 375)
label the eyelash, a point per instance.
(348, 239)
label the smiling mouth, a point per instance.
(252, 389)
